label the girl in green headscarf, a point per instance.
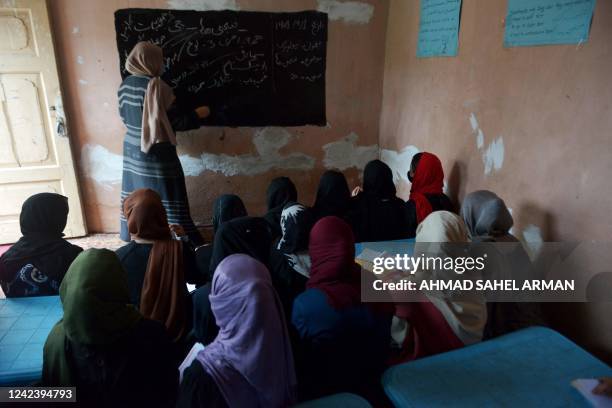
(103, 345)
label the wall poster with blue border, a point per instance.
(547, 22)
(439, 28)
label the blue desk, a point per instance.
(399, 246)
(529, 368)
(25, 324)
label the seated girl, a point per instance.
(426, 195)
(103, 345)
(37, 263)
(376, 213)
(344, 342)
(489, 221)
(439, 323)
(289, 260)
(250, 363)
(244, 235)
(333, 196)
(226, 207)
(156, 264)
(281, 191)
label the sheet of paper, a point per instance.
(546, 22)
(585, 387)
(190, 357)
(439, 28)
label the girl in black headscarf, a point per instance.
(289, 260)
(226, 207)
(244, 235)
(37, 263)
(333, 195)
(281, 191)
(376, 213)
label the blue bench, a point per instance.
(528, 368)
(25, 324)
(342, 400)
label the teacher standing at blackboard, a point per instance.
(147, 108)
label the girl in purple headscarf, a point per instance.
(250, 363)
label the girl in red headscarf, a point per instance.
(426, 196)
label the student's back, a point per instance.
(103, 346)
(117, 374)
(341, 350)
(343, 342)
(36, 264)
(250, 362)
(426, 193)
(377, 214)
(135, 256)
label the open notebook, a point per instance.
(189, 359)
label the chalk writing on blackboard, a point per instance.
(545, 22)
(438, 28)
(251, 68)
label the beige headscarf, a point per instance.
(147, 59)
(464, 311)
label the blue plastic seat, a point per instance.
(528, 368)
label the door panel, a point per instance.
(35, 152)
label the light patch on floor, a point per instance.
(399, 162)
(352, 12)
(80, 60)
(203, 5)
(101, 165)
(83, 82)
(268, 141)
(345, 153)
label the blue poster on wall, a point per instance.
(547, 22)
(439, 28)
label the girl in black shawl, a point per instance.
(244, 235)
(281, 191)
(333, 195)
(376, 213)
(37, 263)
(226, 207)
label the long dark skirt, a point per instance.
(159, 170)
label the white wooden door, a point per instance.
(35, 151)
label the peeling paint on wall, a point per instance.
(355, 12)
(80, 60)
(345, 153)
(101, 165)
(268, 141)
(75, 30)
(399, 162)
(83, 82)
(203, 5)
(532, 240)
(493, 154)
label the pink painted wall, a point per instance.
(551, 105)
(85, 29)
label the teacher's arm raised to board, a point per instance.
(187, 120)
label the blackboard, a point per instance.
(251, 68)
